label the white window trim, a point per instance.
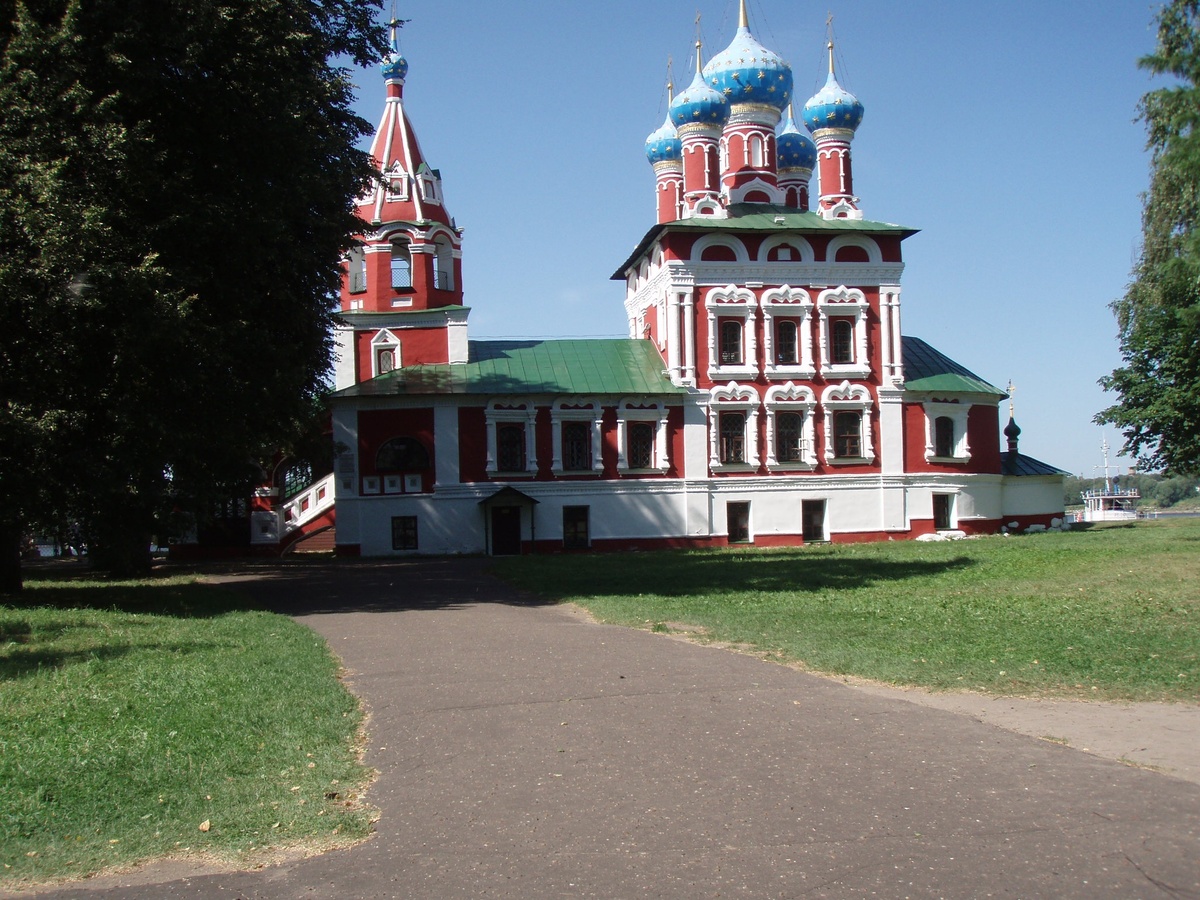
(785, 398)
(384, 340)
(512, 411)
(731, 302)
(839, 302)
(654, 412)
(430, 189)
(397, 182)
(788, 303)
(583, 410)
(953, 495)
(958, 413)
(849, 397)
(733, 398)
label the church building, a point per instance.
(766, 394)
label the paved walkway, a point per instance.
(524, 752)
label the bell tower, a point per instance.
(401, 298)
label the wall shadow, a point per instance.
(685, 574)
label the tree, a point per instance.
(1158, 387)
(176, 193)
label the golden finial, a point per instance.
(743, 19)
(699, 61)
(829, 38)
(395, 25)
(670, 81)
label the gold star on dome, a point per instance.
(748, 88)
(771, 89)
(762, 75)
(728, 91)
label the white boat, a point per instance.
(1112, 504)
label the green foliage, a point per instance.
(1159, 317)
(176, 187)
(1102, 612)
(132, 713)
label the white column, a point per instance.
(445, 445)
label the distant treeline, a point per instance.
(1156, 490)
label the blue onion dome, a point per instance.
(747, 72)
(699, 103)
(794, 148)
(833, 106)
(394, 66)
(664, 144)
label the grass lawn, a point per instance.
(166, 718)
(1108, 612)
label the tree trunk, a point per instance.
(10, 557)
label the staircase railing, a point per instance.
(307, 505)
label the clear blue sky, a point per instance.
(1005, 132)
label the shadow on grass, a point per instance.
(300, 587)
(674, 574)
(291, 586)
(19, 662)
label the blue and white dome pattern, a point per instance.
(699, 103)
(747, 72)
(664, 144)
(833, 107)
(794, 148)
(394, 66)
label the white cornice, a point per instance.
(797, 274)
(431, 318)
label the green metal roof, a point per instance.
(762, 217)
(926, 369)
(591, 366)
(402, 311)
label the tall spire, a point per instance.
(743, 19)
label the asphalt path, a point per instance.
(524, 751)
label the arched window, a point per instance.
(847, 434)
(756, 152)
(510, 446)
(576, 446)
(386, 360)
(402, 454)
(731, 343)
(943, 436)
(842, 331)
(733, 437)
(641, 445)
(789, 431)
(401, 265)
(785, 343)
(443, 265)
(356, 264)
